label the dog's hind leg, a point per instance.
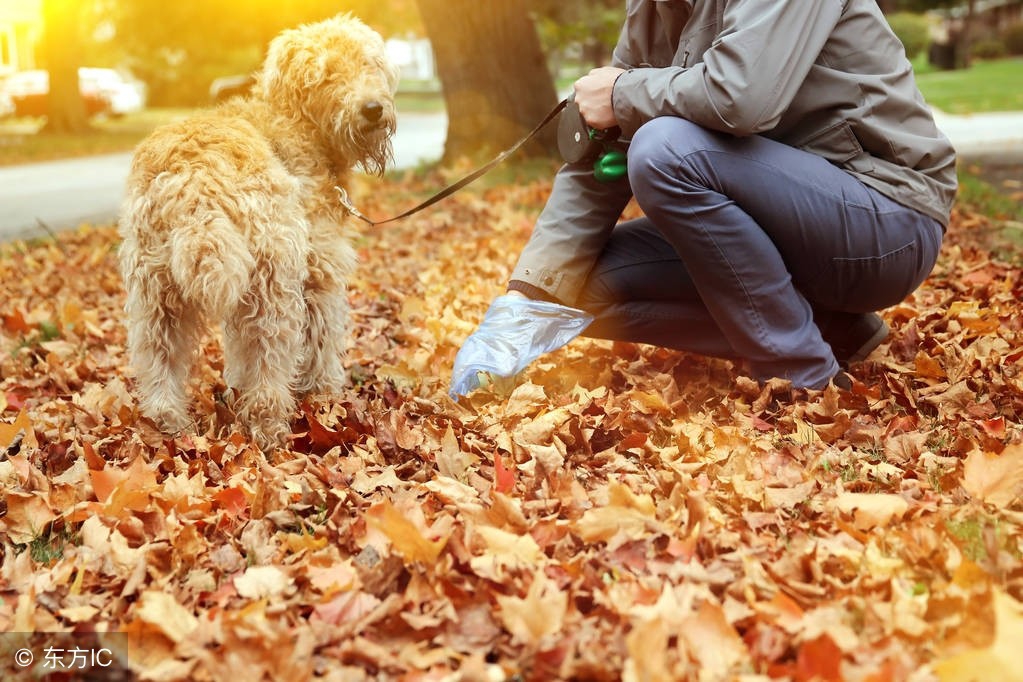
(326, 298)
(162, 334)
(263, 350)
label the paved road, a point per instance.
(63, 194)
(60, 194)
(56, 195)
(992, 136)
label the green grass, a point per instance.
(1004, 236)
(985, 198)
(21, 141)
(995, 85)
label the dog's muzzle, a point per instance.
(373, 118)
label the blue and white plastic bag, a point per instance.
(514, 332)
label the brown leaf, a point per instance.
(28, 516)
(997, 479)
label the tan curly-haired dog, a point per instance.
(231, 216)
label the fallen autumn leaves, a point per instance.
(620, 512)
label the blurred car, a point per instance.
(6, 105)
(103, 91)
(122, 95)
(227, 87)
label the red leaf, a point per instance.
(995, 428)
(636, 439)
(231, 500)
(321, 437)
(819, 660)
(15, 323)
(504, 479)
(15, 401)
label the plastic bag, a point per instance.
(514, 332)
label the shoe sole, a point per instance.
(873, 342)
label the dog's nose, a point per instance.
(372, 111)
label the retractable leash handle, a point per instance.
(579, 143)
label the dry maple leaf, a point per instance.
(995, 478)
(539, 614)
(998, 662)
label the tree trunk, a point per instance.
(493, 73)
(964, 43)
(66, 111)
(888, 6)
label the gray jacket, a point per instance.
(826, 76)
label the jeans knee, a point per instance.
(661, 147)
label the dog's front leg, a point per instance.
(326, 296)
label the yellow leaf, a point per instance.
(451, 460)
(804, 434)
(626, 514)
(334, 578)
(712, 640)
(163, 611)
(998, 662)
(647, 644)
(404, 535)
(298, 542)
(22, 424)
(70, 314)
(539, 614)
(973, 317)
(648, 403)
(871, 510)
(504, 549)
(78, 614)
(997, 479)
(926, 366)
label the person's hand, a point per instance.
(593, 97)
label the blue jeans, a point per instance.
(747, 246)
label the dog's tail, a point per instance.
(211, 263)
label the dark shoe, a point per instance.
(853, 337)
(842, 381)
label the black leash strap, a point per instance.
(451, 189)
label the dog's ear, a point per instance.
(291, 59)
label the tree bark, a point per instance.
(65, 109)
(964, 43)
(888, 6)
(494, 75)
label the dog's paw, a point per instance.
(271, 436)
(170, 421)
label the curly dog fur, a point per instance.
(231, 217)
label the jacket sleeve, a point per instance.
(581, 211)
(748, 76)
(570, 232)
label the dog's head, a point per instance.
(335, 73)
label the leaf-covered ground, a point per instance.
(617, 512)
